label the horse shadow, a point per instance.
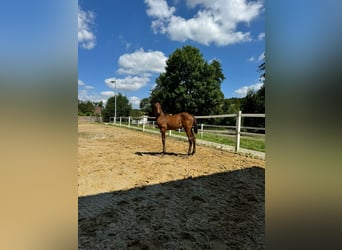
(161, 154)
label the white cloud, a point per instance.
(215, 22)
(159, 9)
(128, 83)
(86, 37)
(141, 62)
(251, 59)
(87, 92)
(108, 93)
(125, 42)
(242, 92)
(261, 36)
(84, 95)
(89, 87)
(261, 57)
(135, 101)
(153, 86)
(84, 85)
(138, 68)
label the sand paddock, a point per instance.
(132, 197)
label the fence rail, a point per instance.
(146, 123)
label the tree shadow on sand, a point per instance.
(218, 211)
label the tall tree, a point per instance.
(190, 84)
(145, 105)
(136, 113)
(262, 70)
(261, 91)
(85, 107)
(254, 102)
(123, 107)
(231, 105)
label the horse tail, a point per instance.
(195, 126)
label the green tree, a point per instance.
(98, 104)
(231, 106)
(261, 91)
(123, 107)
(85, 108)
(145, 105)
(136, 113)
(190, 84)
(262, 70)
(254, 102)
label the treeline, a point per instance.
(123, 108)
(190, 84)
(88, 108)
(253, 103)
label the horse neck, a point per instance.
(161, 113)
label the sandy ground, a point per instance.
(132, 197)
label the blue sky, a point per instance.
(129, 42)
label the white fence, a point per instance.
(234, 132)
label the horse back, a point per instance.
(187, 119)
(176, 121)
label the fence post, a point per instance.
(120, 120)
(201, 130)
(170, 132)
(143, 126)
(238, 128)
(129, 121)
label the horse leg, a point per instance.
(194, 142)
(188, 133)
(163, 131)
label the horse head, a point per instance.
(157, 108)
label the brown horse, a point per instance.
(177, 121)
